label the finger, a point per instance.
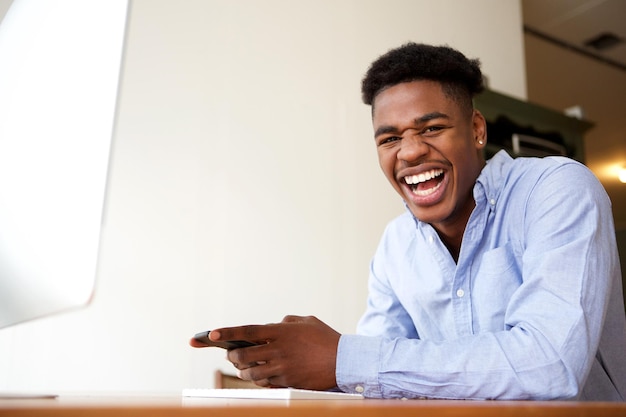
(260, 375)
(251, 333)
(197, 344)
(260, 382)
(263, 383)
(269, 383)
(243, 366)
(292, 319)
(249, 356)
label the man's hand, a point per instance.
(299, 352)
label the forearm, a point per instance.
(479, 367)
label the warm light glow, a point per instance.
(622, 175)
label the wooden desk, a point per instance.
(174, 405)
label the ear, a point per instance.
(479, 127)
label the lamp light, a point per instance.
(622, 175)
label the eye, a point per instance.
(432, 130)
(388, 140)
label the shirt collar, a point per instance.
(489, 182)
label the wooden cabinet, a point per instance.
(506, 115)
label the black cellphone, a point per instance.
(203, 337)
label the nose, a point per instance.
(412, 148)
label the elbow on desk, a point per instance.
(555, 382)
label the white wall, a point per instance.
(244, 183)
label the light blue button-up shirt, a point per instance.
(522, 313)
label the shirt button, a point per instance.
(359, 389)
(492, 201)
(431, 239)
(460, 293)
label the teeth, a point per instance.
(424, 176)
(424, 193)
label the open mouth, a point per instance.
(425, 183)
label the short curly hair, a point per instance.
(460, 77)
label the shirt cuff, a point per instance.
(358, 360)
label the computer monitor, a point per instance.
(60, 64)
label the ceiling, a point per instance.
(575, 22)
(562, 71)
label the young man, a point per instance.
(501, 280)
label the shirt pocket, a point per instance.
(494, 281)
(497, 261)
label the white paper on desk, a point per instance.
(269, 393)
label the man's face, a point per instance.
(429, 150)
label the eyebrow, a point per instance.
(418, 121)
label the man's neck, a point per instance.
(451, 233)
(453, 243)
